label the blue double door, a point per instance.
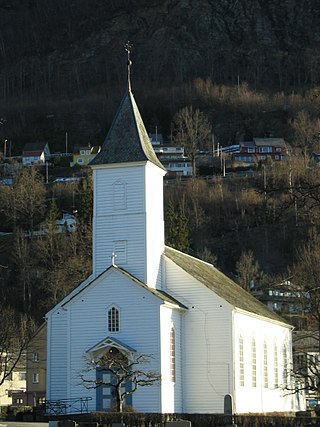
(106, 399)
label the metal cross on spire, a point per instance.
(128, 47)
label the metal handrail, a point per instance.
(67, 406)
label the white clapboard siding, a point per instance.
(57, 367)
(154, 224)
(139, 329)
(112, 228)
(171, 392)
(260, 398)
(105, 178)
(207, 330)
(138, 221)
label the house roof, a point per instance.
(271, 142)
(247, 144)
(127, 139)
(156, 292)
(34, 147)
(220, 284)
(93, 150)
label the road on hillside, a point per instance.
(22, 424)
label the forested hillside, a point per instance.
(63, 66)
(251, 67)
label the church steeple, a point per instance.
(128, 225)
(127, 139)
(128, 47)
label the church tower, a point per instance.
(128, 226)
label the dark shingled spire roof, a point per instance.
(127, 139)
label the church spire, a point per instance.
(127, 139)
(128, 47)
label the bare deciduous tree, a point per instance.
(193, 131)
(247, 269)
(123, 369)
(15, 333)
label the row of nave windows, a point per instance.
(265, 365)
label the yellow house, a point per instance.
(82, 156)
(36, 367)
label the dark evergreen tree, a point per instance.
(85, 192)
(176, 223)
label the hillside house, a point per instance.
(82, 156)
(36, 368)
(35, 153)
(174, 159)
(207, 336)
(13, 389)
(260, 150)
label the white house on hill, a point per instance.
(206, 335)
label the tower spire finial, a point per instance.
(128, 47)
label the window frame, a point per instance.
(35, 378)
(172, 371)
(265, 365)
(35, 357)
(276, 365)
(254, 362)
(241, 361)
(119, 195)
(113, 319)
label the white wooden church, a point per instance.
(206, 335)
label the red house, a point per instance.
(260, 150)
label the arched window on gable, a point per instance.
(241, 362)
(254, 362)
(119, 195)
(172, 355)
(113, 320)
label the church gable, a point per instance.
(117, 277)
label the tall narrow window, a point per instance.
(35, 357)
(254, 362)
(113, 320)
(285, 366)
(119, 195)
(276, 369)
(265, 365)
(241, 362)
(172, 355)
(35, 377)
